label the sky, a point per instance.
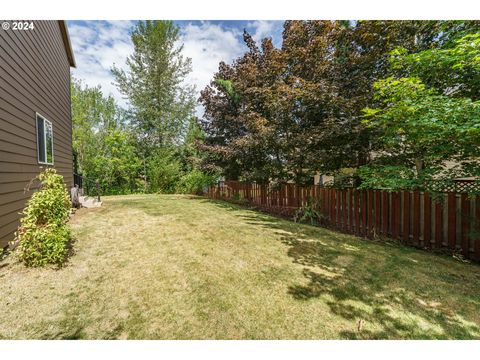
(97, 45)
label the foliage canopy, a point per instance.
(398, 97)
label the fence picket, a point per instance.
(452, 220)
(416, 218)
(356, 205)
(369, 213)
(333, 207)
(427, 220)
(385, 213)
(351, 211)
(439, 222)
(327, 204)
(476, 228)
(363, 201)
(395, 215)
(465, 224)
(406, 217)
(378, 212)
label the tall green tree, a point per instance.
(91, 113)
(105, 147)
(153, 84)
(428, 118)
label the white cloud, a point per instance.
(98, 45)
(207, 44)
(261, 29)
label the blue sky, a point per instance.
(100, 44)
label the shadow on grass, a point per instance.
(395, 291)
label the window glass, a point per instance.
(41, 139)
(44, 141)
(49, 142)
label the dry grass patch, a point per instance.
(180, 267)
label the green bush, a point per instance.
(308, 213)
(391, 177)
(194, 182)
(43, 234)
(164, 172)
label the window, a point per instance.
(44, 140)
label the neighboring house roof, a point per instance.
(66, 42)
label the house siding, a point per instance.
(34, 78)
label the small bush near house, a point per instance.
(43, 234)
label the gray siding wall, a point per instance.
(34, 78)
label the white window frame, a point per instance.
(45, 120)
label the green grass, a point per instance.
(180, 267)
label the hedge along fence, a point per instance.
(447, 221)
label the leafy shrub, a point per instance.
(43, 234)
(308, 213)
(388, 177)
(164, 172)
(194, 182)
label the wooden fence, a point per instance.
(449, 221)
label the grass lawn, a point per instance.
(180, 267)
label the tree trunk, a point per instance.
(419, 165)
